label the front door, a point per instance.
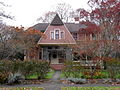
(54, 57)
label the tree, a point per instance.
(102, 23)
(104, 17)
(64, 10)
(15, 41)
(2, 12)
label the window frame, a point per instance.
(57, 34)
(62, 37)
(52, 36)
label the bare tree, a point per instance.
(64, 10)
(2, 12)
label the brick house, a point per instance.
(59, 37)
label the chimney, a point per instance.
(76, 20)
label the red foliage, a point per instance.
(90, 28)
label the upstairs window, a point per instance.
(56, 34)
(52, 35)
(75, 36)
(62, 35)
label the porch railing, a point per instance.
(87, 62)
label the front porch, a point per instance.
(56, 54)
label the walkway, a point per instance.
(56, 76)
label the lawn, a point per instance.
(50, 74)
(102, 74)
(90, 88)
(22, 88)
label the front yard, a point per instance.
(62, 88)
(90, 88)
(22, 88)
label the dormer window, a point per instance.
(52, 35)
(56, 34)
(62, 35)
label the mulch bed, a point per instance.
(94, 81)
(33, 81)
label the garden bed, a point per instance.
(90, 88)
(90, 81)
(33, 81)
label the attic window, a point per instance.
(56, 34)
(52, 35)
(62, 35)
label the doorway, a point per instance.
(56, 57)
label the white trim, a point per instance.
(55, 33)
(63, 34)
(51, 34)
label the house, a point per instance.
(55, 47)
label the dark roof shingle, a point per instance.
(72, 27)
(56, 21)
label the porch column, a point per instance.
(68, 54)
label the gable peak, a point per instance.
(56, 21)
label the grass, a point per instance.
(35, 76)
(50, 74)
(103, 74)
(22, 88)
(90, 88)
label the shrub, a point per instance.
(68, 68)
(42, 69)
(3, 78)
(98, 74)
(5, 68)
(113, 68)
(14, 78)
(9, 69)
(77, 80)
(72, 69)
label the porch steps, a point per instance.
(57, 66)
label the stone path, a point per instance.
(56, 76)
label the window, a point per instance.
(52, 35)
(75, 36)
(62, 35)
(56, 34)
(93, 37)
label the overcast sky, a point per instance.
(27, 11)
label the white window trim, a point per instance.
(51, 36)
(63, 34)
(55, 33)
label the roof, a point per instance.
(72, 27)
(67, 37)
(40, 26)
(56, 21)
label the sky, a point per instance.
(26, 12)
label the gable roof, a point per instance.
(72, 27)
(56, 21)
(67, 39)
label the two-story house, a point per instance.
(55, 47)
